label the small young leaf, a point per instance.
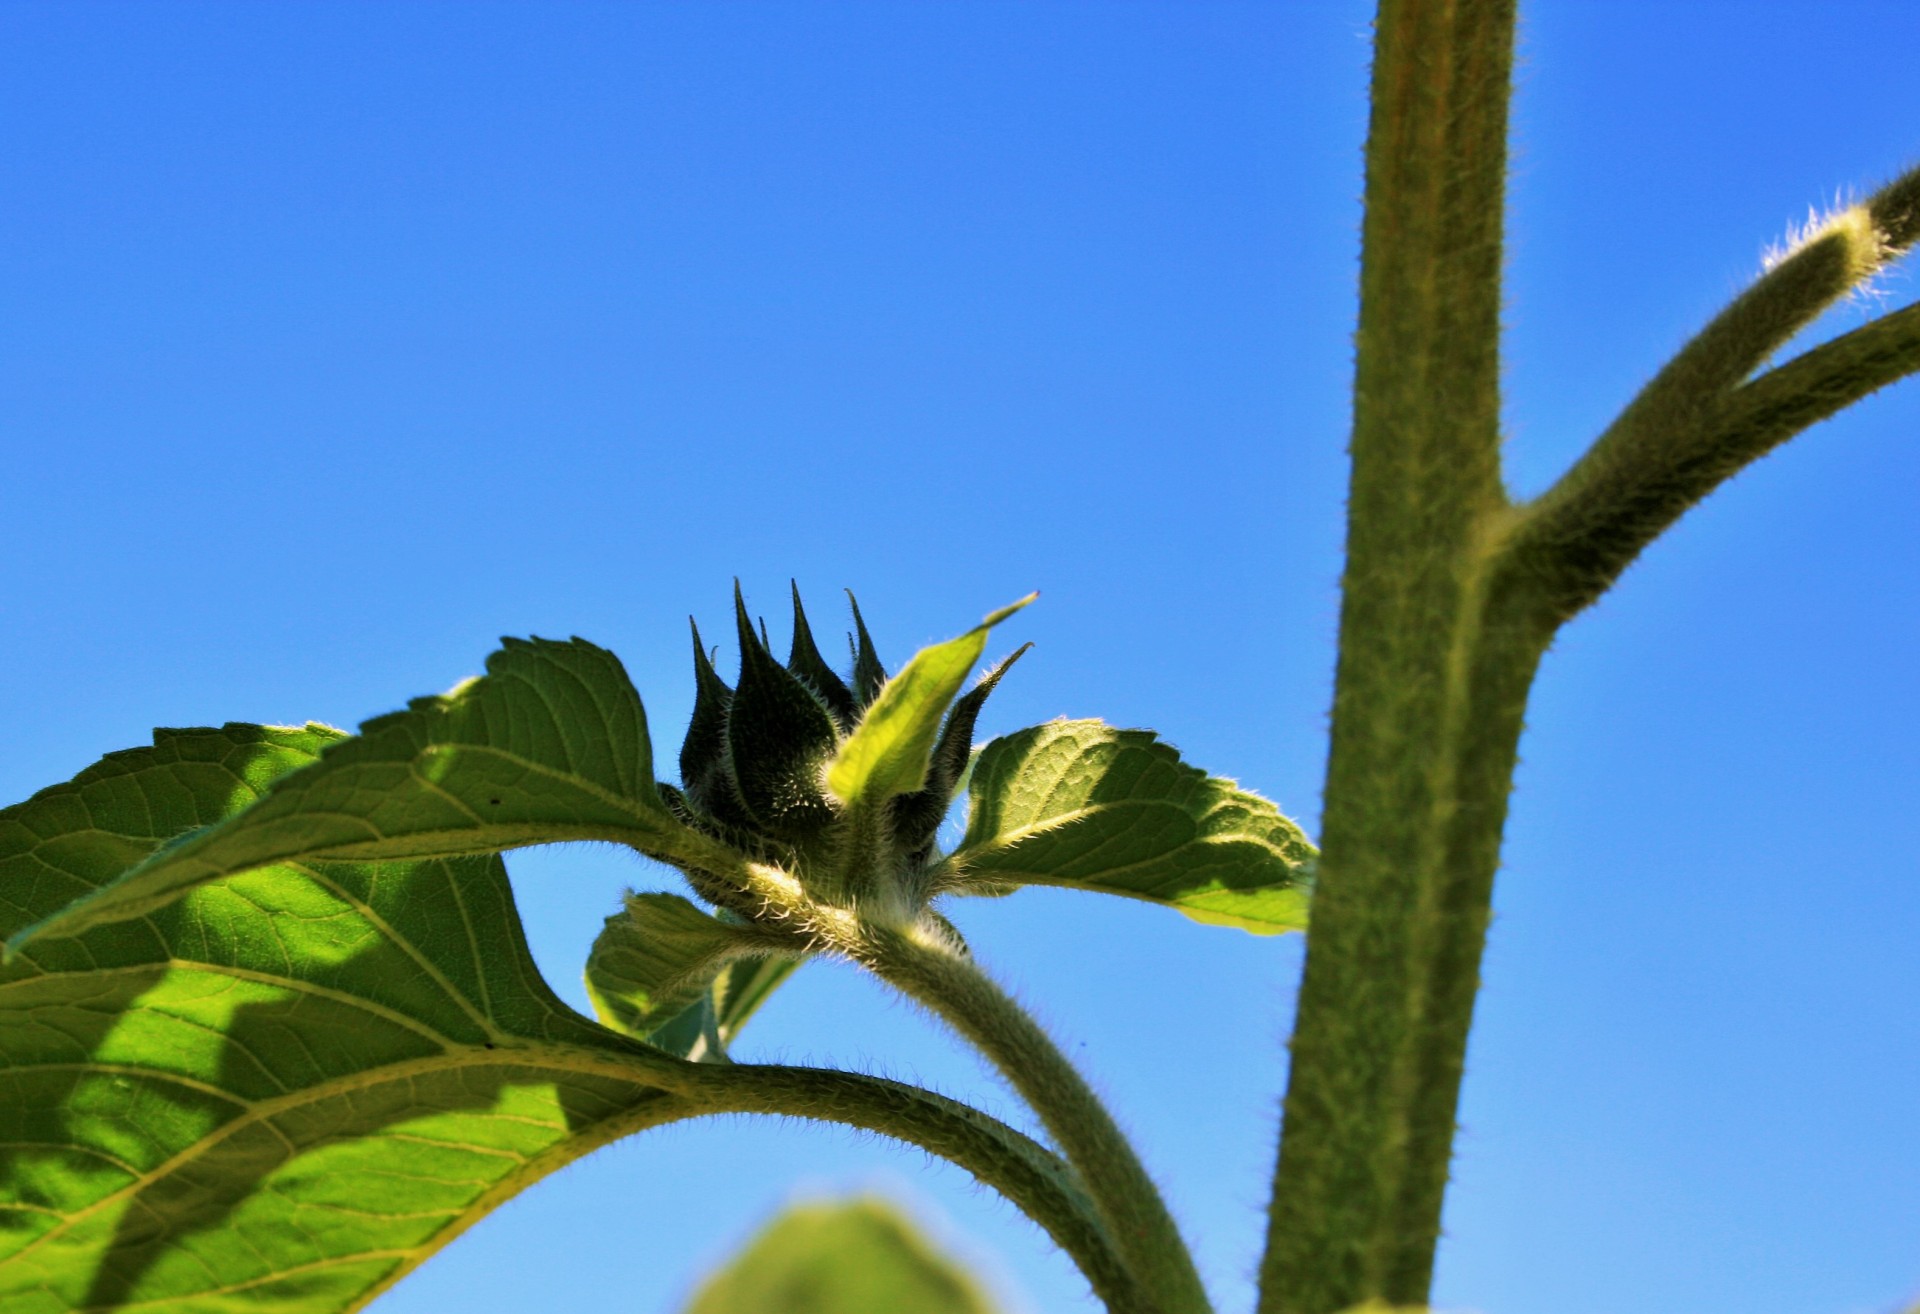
(550, 745)
(917, 817)
(859, 1257)
(705, 1028)
(742, 987)
(890, 750)
(666, 972)
(285, 1090)
(654, 959)
(1081, 804)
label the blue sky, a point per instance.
(340, 339)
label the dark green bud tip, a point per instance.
(805, 661)
(868, 674)
(703, 754)
(779, 734)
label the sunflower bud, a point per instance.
(758, 756)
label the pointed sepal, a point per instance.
(703, 753)
(805, 661)
(868, 674)
(779, 735)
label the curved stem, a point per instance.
(1017, 1166)
(1024, 1171)
(925, 965)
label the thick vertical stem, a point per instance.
(1435, 659)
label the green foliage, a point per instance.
(551, 744)
(273, 1036)
(859, 1257)
(284, 1090)
(1081, 804)
(891, 750)
(660, 972)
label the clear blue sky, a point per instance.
(340, 339)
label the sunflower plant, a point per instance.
(272, 1035)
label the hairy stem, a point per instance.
(1435, 656)
(1699, 421)
(923, 963)
(1450, 598)
(1021, 1169)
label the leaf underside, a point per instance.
(1082, 804)
(659, 971)
(858, 1257)
(285, 1090)
(551, 744)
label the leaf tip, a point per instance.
(995, 617)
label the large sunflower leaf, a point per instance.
(551, 744)
(1082, 804)
(285, 1090)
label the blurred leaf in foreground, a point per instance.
(860, 1256)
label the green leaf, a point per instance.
(666, 972)
(859, 1257)
(551, 744)
(1081, 804)
(889, 751)
(917, 817)
(284, 1090)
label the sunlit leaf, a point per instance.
(889, 751)
(551, 744)
(1082, 804)
(284, 1090)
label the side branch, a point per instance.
(1761, 415)
(1704, 418)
